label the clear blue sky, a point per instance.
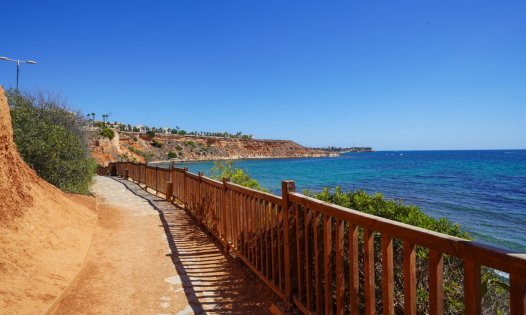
(388, 74)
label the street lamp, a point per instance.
(31, 62)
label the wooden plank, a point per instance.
(387, 275)
(409, 278)
(340, 269)
(327, 249)
(354, 272)
(517, 294)
(318, 285)
(308, 283)
(368, 263)
(287, 187)
(261, 234)
(436, 289)
(471, 288)
(299, 265)
(281, 250)
(273, 230)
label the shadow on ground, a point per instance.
(212, 281)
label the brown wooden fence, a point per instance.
(316, 255)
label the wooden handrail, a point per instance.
(269, 234)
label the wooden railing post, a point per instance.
(185, 197)
(286, 188)
(436, 289)
(517, 294)
(156, 179)
(224, 215)
(199, 199)
(145, 176)
(471, 288)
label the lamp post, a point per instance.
(31, 62)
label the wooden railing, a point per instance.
(316, 255)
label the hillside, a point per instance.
(44, 233)
(138, 147)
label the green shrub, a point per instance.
(191, 143)
(172, 155)
(227, 169)
(51, 139)
(108, 133)
(179, 148)
(135, 139)
(150, 133)
(156, 143)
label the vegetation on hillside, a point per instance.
(51, 139)
(148, 156)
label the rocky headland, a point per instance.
(139, 147)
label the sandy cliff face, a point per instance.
(137, 147)
(44, 234)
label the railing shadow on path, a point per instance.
(212, 281)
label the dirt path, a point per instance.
(149, 257)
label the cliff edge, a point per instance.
(137, 147)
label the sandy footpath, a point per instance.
(148, 257)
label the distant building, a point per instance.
(139, 127)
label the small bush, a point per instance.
(191, 143)
(156, 143)
(227, 169)
(108, 133)
(172, 155)
(150, 133)
(179, 148)
(135, 139)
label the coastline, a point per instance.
(241, 158)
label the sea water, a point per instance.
(483, 191)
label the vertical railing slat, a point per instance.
(354, 273)
(436, 290)
(387, 274)
(471, 288)
(340, 272)
(286, 187)
(409, 278)
(306, 220)
(517, 294)
(315, 224)
(327, 249)
(299, 265)
(368, 263)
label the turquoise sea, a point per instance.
(483, 191)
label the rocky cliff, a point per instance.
(139, 147)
